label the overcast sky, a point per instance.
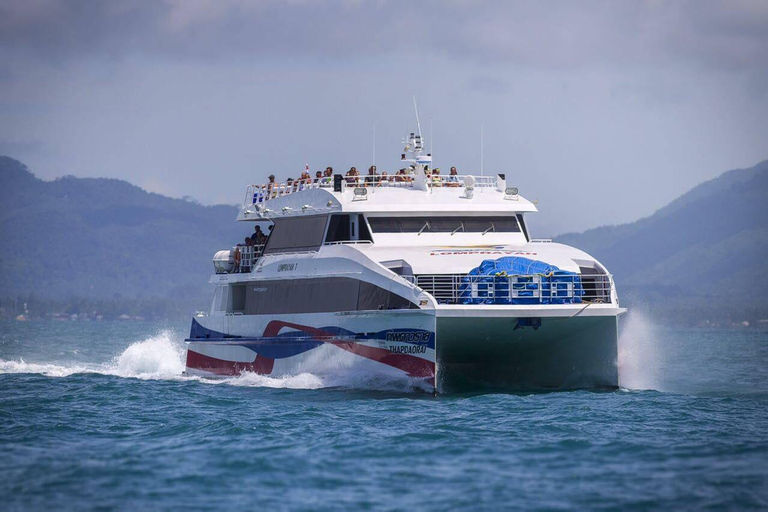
(603, 111)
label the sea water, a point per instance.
(98, 415)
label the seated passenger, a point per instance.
(452, 180)
(371, 178)
(327, 176)
(385, 179)
(436, 179)
(351, 176)
(318, 177)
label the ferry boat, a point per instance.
(419, 276)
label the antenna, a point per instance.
(373, 158)
(418, 123)
(431, 139)
(481, 151)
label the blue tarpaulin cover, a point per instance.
(517, 280)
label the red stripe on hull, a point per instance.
(197, 361)
(412, 365)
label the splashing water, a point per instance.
(49, 370)
(162, 357)
(639, 355)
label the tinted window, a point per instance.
(338, 229)
(384, 224)
(521, 221)
(296, 234)
(444, 224)
(412, 224)
(238, 298)
(318, 295)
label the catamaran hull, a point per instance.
(435, 353)
(527, 354)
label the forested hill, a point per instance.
(708, 247)
(105, 238)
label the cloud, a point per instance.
(723, 35)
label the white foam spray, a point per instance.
(162, 357)
(47, 369)
(158, 357)
(640, 361)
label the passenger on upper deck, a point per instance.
(436, 180)
(352, 176)
(402, 176)
(318, 177)
(452, 180)
(271, 186)
(370, 179)
(328, 176)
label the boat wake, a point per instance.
(161, 357)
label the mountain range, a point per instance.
(706, 249)
(107, 239)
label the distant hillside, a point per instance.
(704, 253)
(709, 245)
(105, 238)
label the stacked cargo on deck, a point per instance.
(517, 280)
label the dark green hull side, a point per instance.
(477, 354)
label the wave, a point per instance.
(161, 357)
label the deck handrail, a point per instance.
(515, 289)
(256, 194)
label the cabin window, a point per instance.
(445, 225)
(238, 298)
(521, 221)
(338, 229)
(448, 224)
(318, 295)
(365, 233)
(346, 227)
(296, 234)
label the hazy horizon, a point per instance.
(602, 111)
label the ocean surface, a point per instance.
(97, 415)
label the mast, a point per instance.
(414, 146)
(481, 151)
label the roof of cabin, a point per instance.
(383, 200)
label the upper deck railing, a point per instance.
(256, 194)
(242, 259)
(515, 289)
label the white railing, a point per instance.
(255, 194)
(515, 289)
(248, 256)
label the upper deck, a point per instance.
(411, 194)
